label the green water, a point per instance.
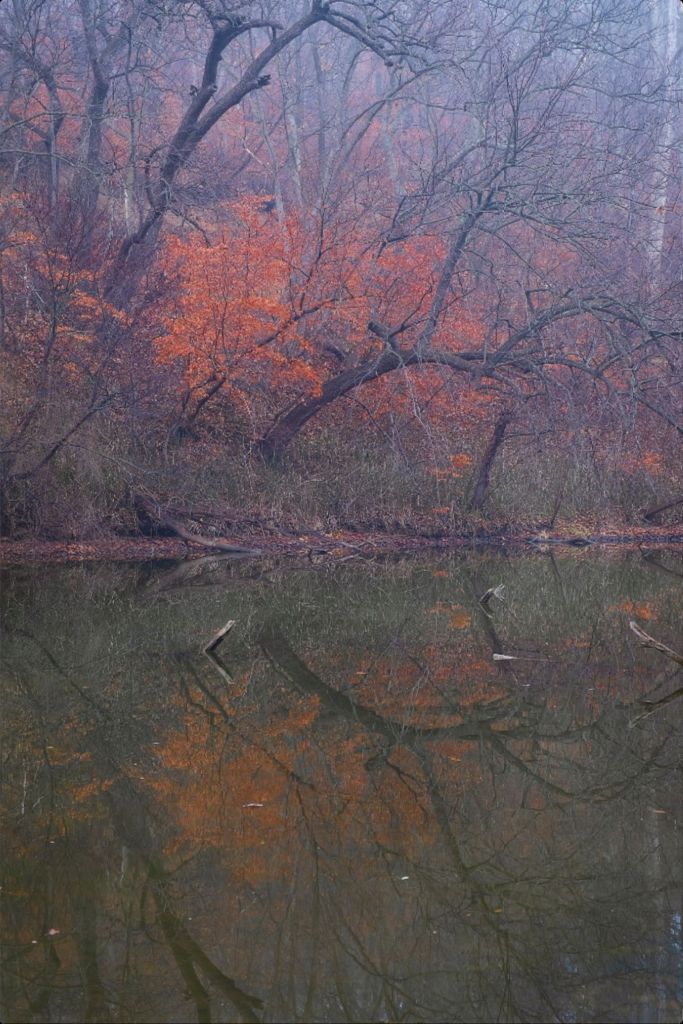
(357, 814)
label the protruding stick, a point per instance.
(649, 641)
(218, 637)
(488, 594)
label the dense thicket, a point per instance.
(339, 259)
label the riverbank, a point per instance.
(337, 545)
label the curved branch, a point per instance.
(194, 127)
(285, 428)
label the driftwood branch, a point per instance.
(519, 657)
(649, 641)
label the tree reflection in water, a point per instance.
(374, 821)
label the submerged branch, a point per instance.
(649, 641)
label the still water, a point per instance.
(357, 813)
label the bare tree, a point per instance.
(529, 237)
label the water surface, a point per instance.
(358, 814)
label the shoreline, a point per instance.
(316, 545)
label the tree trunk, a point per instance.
(287, 426)
(650, 513)
(481, 487)
(278, 436)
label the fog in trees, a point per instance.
(437, 243)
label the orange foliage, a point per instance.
(650, 462)
(459, 618)
(231, 313)
(641, 610)
(262, 305)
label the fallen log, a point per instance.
(152, 519)
(207, 542)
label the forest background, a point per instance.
(399, 265)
